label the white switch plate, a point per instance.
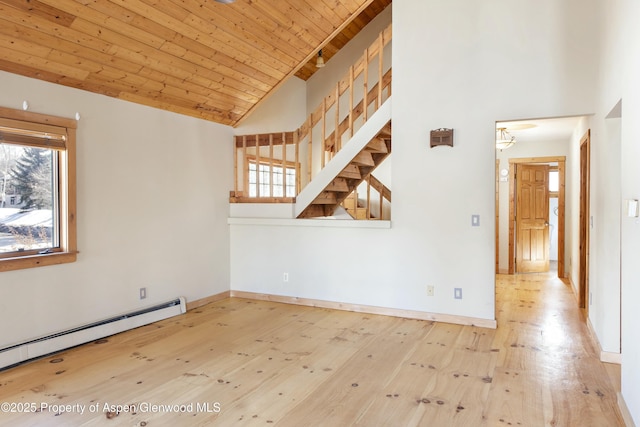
(475, 220)
(632, 208)
(457, 293)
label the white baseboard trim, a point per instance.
(192, 305)
(624, 411)
(609, 357)
(605, 356)
(358, 308)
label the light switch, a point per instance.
(632, 208)
(475, 220)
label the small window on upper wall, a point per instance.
(554, 181)
(37, 190)
(271, 180)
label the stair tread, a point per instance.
(378, 145)
(364, 158)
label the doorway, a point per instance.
(583, 272)
(529, 213)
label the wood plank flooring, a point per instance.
(239, 362)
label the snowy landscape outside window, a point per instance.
(37, 190)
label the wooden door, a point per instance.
(532, 218)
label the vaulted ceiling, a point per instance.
(195, 57)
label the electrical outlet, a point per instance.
(143, 293)
(457, 293)
(285, 277)
(430, 291)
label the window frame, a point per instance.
(271, 163)
(66, 180)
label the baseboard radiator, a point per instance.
(18, 353)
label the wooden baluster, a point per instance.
(257, 165)
(368, 198)
(355, 202)
(381, 203)
(324, 133)
(336, 143)
(380, 49)
(351, 101)
(365, 103)
(270, 165)
(245, 161)
(284, 164)
(296, 141)
(310, 151)
(235, 165)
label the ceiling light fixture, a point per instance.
(504, 139)
(320, 60)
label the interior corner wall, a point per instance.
(622, 82)
(282, 111)
(324, 81)
(618, 136)
(152, 207)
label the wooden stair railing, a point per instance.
(365, 209)
(333, 124)
(329, 121)
(358, 170)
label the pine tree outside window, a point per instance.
(37, 190)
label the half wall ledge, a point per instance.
(329, 222)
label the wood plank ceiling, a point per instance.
(195, 57)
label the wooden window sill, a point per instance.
(39, 260)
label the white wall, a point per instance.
(324, 81)
(621, 68)
(523, 150)
(453, 67)
(282, 111)
(152, 198)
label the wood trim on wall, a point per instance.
(584, 228)
(624, 410)
(497, 233)
(357, 308)
(605, 356)
(192, 305)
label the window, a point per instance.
(37, 190)
(271, 180)
(554, 182)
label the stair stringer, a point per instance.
(349, 151)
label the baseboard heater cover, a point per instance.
(18, 353)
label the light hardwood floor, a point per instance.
(264, 363)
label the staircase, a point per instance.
(349, 177)
(332, 152)
(362, 208)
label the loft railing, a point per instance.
(373, 204)
(264, 163)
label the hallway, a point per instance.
(550, 360)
